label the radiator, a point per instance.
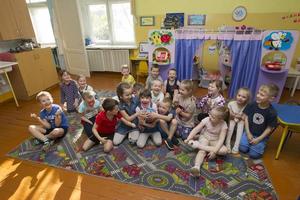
(109, 60)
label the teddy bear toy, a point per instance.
(194, 144)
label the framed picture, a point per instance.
(177, 18)
(239, 13)
(196, 20)
(143, 47)
(147, 21)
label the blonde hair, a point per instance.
(81, 76)
(222, 110)
(42, 94)
(248, 92)
(188, 84)
(167, 100)
(88, 94)
(124, 67)
(271, 89)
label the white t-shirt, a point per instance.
(88, 111)
(158, 98)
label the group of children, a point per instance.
(164, 112)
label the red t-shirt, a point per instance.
(105, 125)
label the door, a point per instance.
(70, 33)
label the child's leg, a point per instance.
(108, 146)
(164, 126)
(239, 132)
(56, 133)
(88, 144)
(38, 132)
(244, 144)
(229, 134)
(156, 137)
(133, 136)
(257, 150)
(199, 158)
(118, 138)
(142, 139)
(173, 128)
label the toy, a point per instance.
(194, 144)
(275, 66)
(161, 56)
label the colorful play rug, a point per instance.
(223, 178)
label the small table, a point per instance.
(293, 73)
(289, 117)
(7, 67)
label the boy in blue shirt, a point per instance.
(53, 122)
(260, 120)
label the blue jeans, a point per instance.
(255, 151)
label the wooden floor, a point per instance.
(26, 180)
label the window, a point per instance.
(108, 21)
(41, 21)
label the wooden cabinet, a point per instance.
(15, 22)
(35, 72)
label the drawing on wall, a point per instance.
(161, 38)
(174, 20)
(279, 40)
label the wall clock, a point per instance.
(239, 13)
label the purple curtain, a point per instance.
(185, 50)
(245, 60)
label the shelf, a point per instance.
(273, 71)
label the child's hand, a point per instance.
(64, 106)
(211, 155)
(186, 141)
(178, 111)
(254, 141)
(58, 112)
(167, 95)
(133, 125)
(103, 140)
(75, 104)
(250, 137)
(33, 115)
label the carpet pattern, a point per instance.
(228, 177)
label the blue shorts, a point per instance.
(258, 148)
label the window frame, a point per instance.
(42, 5)
(112, 37)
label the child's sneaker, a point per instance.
(175, 140)
(195, 171)
(169, 144)
(37, 141)
(235, 150)
(47, 144)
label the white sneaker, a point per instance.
(235, 150)
(195, 171)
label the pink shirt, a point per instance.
(210, 131)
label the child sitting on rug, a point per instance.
(104, 126)
(236, 108)
(156, 92)
(127, 77)
(213, 98)
(154, 75)
(185, 109)
(260, 120)
(167, 121)
(147, 125)
(127, 106)
(83, 86)
(212, 131)
(171, 85)
(89, 109)
(69, 95)
(53, 121)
